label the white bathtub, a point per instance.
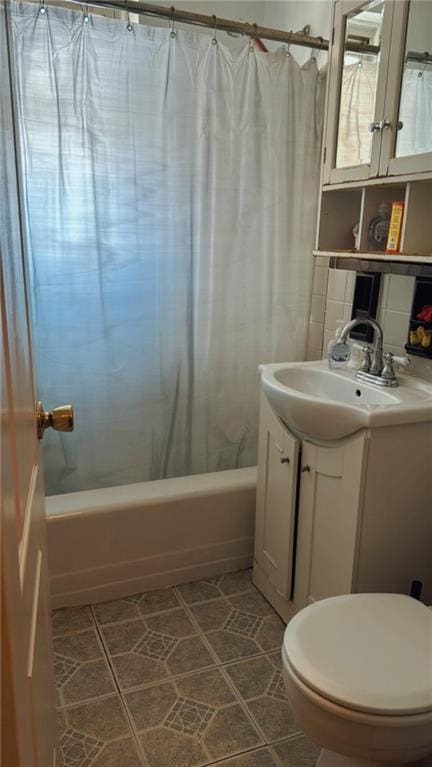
(108, 543)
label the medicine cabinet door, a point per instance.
(357, 89)
(407, 143)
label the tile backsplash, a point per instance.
(394, 311)
(332, 297)
(318, 308)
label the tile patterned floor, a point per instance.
(183, 677)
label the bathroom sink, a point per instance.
(330, 404)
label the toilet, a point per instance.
(358, 673)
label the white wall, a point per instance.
(420, 27)
(295, 14)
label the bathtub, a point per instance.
(108, 543)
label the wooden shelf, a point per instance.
(346, 210)
(379, 181)
(426, 325)
(418, 351)
(371, 255)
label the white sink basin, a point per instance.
(330, 404)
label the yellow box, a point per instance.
(395, 228)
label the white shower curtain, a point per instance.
(171, 192)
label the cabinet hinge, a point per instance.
(333, 36)
(324, 155)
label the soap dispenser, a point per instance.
(338, 352)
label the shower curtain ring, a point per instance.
(251, 46)
(288, 48)
(42, 8)
(173, 32)
(314, 55)
(86, 14)
(129, 26)
(321, 43)
(214, 39)
(422, 71)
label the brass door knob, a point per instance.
(60, 419)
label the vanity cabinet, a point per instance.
(353, 515)
(278, 453)
(330, 495)
(308, 497)
(379, 98)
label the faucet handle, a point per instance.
(388, 369)
(402, 362)
(367, 359)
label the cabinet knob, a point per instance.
(285, 459)
(379, 126)
(306, 468)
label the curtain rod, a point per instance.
(229, 25)
(198, 19)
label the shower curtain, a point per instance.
(170, 194)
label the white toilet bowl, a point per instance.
(358, 673)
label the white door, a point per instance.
(28, 734)
(276, 500)
(329, 510)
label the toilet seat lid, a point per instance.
(369, 652)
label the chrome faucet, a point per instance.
(377, 367)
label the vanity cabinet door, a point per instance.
(358, 70)
(328, 518)
(276, 500)
(407, 141)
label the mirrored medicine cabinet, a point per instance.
(380, 90)
(377, 146)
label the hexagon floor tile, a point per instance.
(180, 677)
